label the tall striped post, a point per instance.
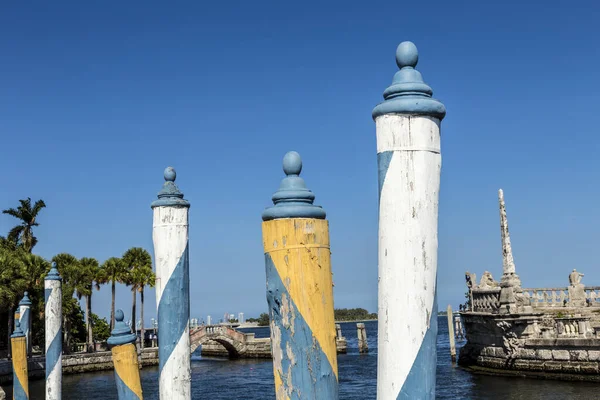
(409, 163)
(53, 313)
(18, 343)
(300, 290)
(25, 319)
(124, 355)
(170, 237)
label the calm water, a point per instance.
(216, 379)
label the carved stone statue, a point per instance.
(575, 278)
(487, 281)
(576, 290)
(471, 280)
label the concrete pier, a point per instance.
(300, 290)
(409, 164)
(171, 255)
(54, 339)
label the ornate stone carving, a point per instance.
(510, 342)
(576, 289)
(487, 281)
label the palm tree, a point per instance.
(23, 233)
(144, 277)
(89, 280)
(113, 270)
(136, 260)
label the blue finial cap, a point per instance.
(17, 332)
(53, 275)
(408, 94)
(25, 301)
(170, 195)
(121, 334)
(293, 199)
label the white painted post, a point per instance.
(451, 333)
(25, 319)
(170, 237)
(361, 331)
(409, 163)
(53, 315)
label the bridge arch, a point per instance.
(233, 341)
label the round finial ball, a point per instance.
(170, 174)
(119, 316)
(53, 264)
(292, 163)
(26, 294)
(407, 55)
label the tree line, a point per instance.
(353, 314)
(21, 270)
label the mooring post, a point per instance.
(409, 162)
(338, 331)
(300, 290)
(18, 342)
(53, 314)
(125, 360)
(25, 319)
(170, 237)
(361, 331)
(451, 333)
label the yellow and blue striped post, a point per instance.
(53, 314)
(25, 319)
(300, 291)
(170, 237)
(19, 363)
(409, 163)
(124, 354)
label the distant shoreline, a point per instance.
(356, 320)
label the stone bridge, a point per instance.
(219, 341)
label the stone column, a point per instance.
(170, 237)
(53, 314)
(409, 164)
(25, 319)
(361, 331)
(449, 314)
(125, 360)
(300, 291)
(18, 344)
(510, 283)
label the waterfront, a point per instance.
(253, 379)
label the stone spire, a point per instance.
(508, 263)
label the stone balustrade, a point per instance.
(486, 300)
(559, 297)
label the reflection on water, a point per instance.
(217, 379)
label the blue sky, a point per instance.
(97, 99)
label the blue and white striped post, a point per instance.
(53, 313)
(25, 319)
(124, 354)
(409, 164)
(170, 237)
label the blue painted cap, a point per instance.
(25, 300)
(170, 195)
(293, 199)
(17, 332)
(53, 275)
(408, 94)
(121, 334)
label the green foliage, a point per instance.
(263, 319)
(100, 328)
(353, 314)
(22, 234)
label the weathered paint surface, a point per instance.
(25, 319)
(361, 332)
(451, 333)
(53, 314)
(19, 362)
(170, 236)
(409, 159)
(127, 372)
(300, 297)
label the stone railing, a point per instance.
(486, 300)
(573, 327)
(559, 297)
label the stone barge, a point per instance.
(539, 332)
